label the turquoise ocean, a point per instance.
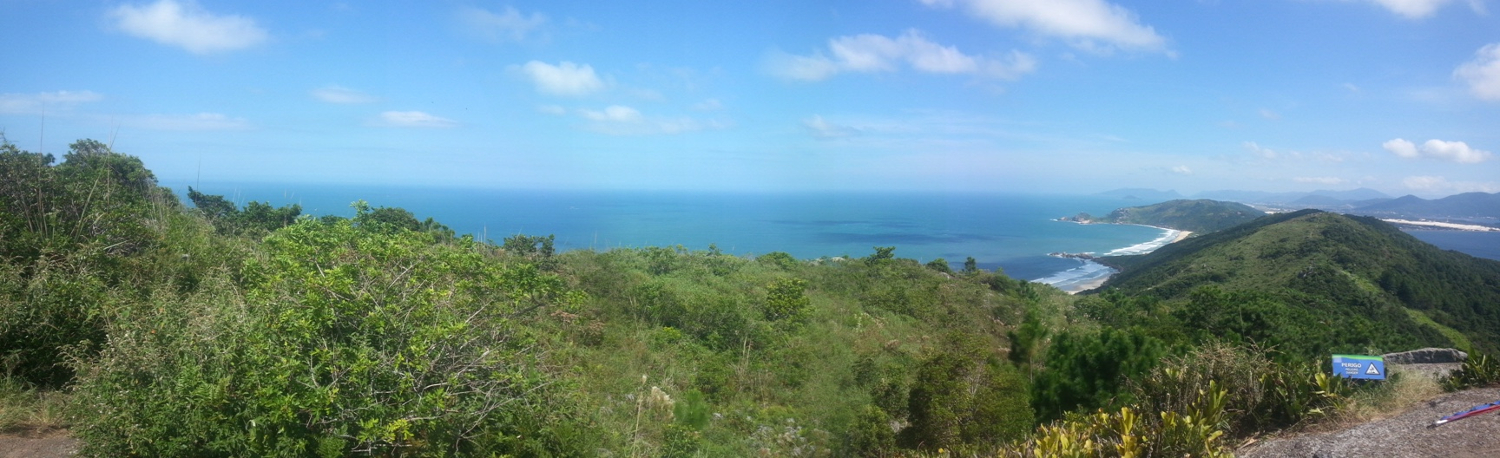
(1014, 232)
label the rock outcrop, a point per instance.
(1426, 356)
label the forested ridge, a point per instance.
(1331, 282)
(1200, 215)
(147, 326)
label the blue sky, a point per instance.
(1402, 96)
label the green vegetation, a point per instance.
(148, 328)
(1199, 216)
(1310, 283)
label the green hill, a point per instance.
(1200, 215)
(1312, 282)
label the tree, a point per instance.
(786, 299)
(940, 265)
(212, 207)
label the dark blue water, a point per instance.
(1013, 232)
(1477, 244)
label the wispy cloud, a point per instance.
(709, 105)
(878, 53)
(1453, 151)
(552, 110)
(624, 120)
(45, 101)
(1418, 9)
(1271, 115)
(565, 78)
(613, 113)
(1438, 184)
(1330, 181)
(1260, 151)
(192, 122)
(341, 95)
(822, 129)
(1181, 170)
(188, 26)
(1483, 73)
(507, 25)
(1086, 24)
(414, 119)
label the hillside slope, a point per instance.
(1346, 282)
(1189, 215)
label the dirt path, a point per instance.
(33, 444)
(1404, 435)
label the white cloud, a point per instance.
(613, 113)
(1411, 9)
(193, 122)
(1264, 153)
(565, 78)
(822, 129)
(1401, 147)
(45, 101)
(507, 25)
(1483, 73)
(1320, 180)
(552, 110)
(1271, 115)
(341, 95)
(1181, 170)
(1086, 23)
(1453, 151)
(189, 26)
(414, 119)
(878, 53)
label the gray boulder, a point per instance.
(1426, 356)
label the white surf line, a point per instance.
(1461, 227)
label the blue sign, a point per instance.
(1359, 367)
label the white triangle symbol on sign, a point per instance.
(1371, 370)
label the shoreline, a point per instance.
(1096, 283)
(1441, 225)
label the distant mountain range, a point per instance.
(1476, 207)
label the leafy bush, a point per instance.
(1262, 394)
(961, 398)
(1089, 370)
(344, 340)
(1477, 371)
(787, 300)
(68, 235)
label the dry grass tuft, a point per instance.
(27, 410)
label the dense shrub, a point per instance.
(960, 397)
(68, 236)
(1088, 370)
(345, 340)
(1477, 371)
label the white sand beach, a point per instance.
(1439, 224)
(1081, 287)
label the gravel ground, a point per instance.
(1404, 435)
(37, 444)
